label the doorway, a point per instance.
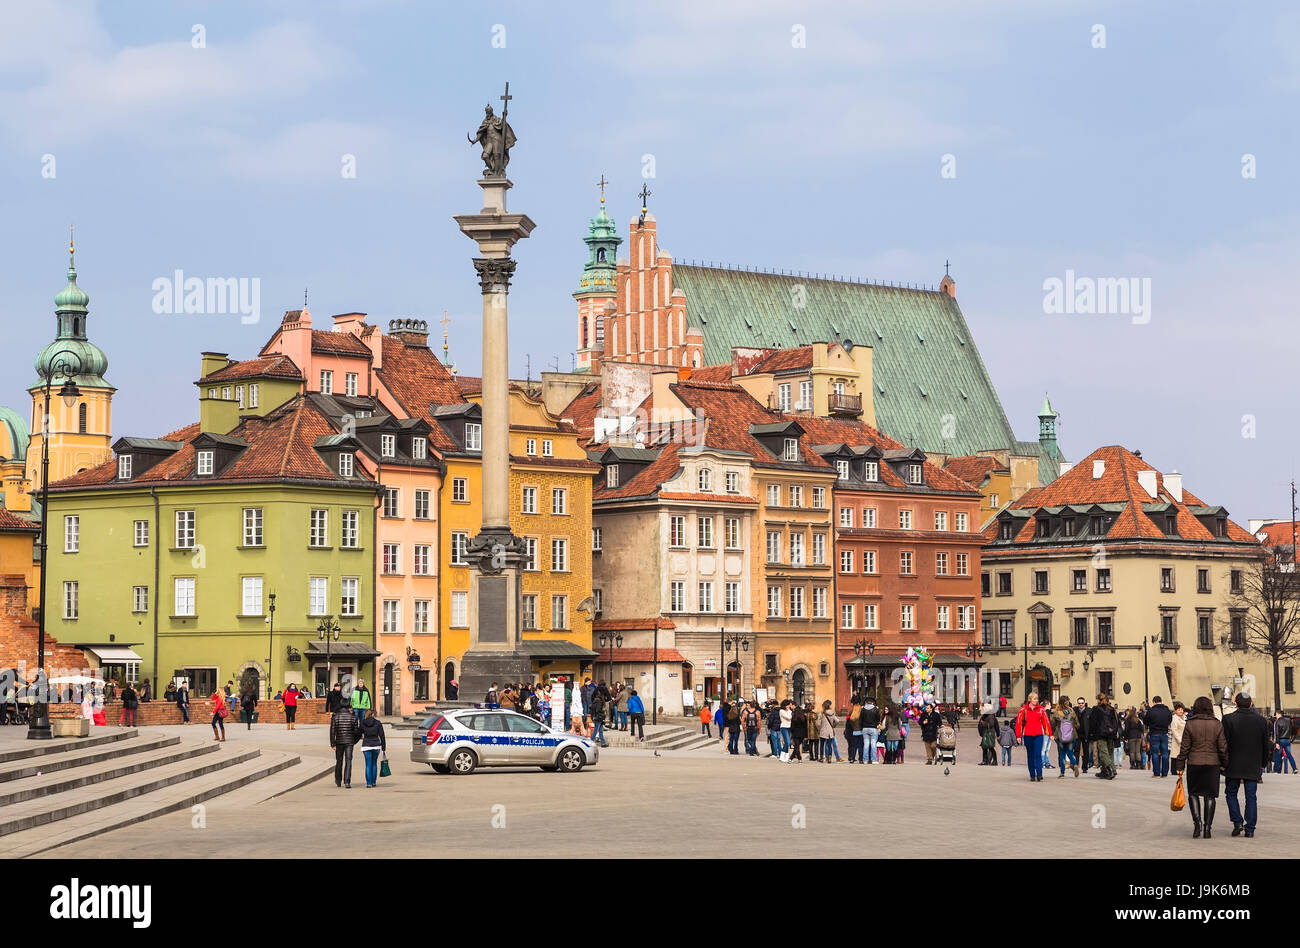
(250, 682)
(733, 680)
(799, 686)
(448, 676)
(388, 690)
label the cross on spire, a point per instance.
(505, 101)
(645, 193)
(945, 268)
(601, 184)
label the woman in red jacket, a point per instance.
(1033, 726)
(290, 698)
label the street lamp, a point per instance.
(328, 632)
(612, 642)
(863, 647)
(270, 645)
(65, 363)
(1146, 678)
(737, 643)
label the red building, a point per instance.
(907, 557)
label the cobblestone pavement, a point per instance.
(706, 803)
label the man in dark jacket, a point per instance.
(1085, 740)
(1103, 726)
(343, 734)
(1282, 743)
(334, 700)
(1248, 749)
(930, 721)
(596, 705)
(1159, 718)
(870, 722)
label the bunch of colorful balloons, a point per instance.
(917, 667)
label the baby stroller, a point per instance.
(947, 744)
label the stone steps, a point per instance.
(33, 749)
(305, 771)
(134, 761)
(82, 755)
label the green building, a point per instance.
(219, 552)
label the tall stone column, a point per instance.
(496, 633)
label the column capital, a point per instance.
(494, 273)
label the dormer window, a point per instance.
(913, 473)
(1044, 528)
(843, 467)
(419, 448)
(388, 445)
(1171, 525)
(204, 463)
(473, 436)
(124, 467)
(872, 471)
(1067, 527)
(706, 480)
(1007, 530)
(791, 449)
(611, 476)
(1096, 525)
(1221, 527)
(345, 464)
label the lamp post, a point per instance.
(66, 364)
(328, 632)
(1146, 676)
(736, 644)
(860, 648)
(975, 650)
(612, 641)
(270, 645)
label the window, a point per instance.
(819, 498)
(774, 495)
(677, 531)
(942, 619)
(345, 464)
(421, 505)
(871, 471)
(473, 436)
(183, 600)
(559, 501)
(907, 617)
(1040, 580)
(1004, 584)
(596, 539)
(704, 532)
(459, 609)
(1103, 580)
(677, 596)
(529, 502)
(914, 473)
(963, 564)
(391, 612)
(984, 584)
(348, 591)
(391, 502)
(1235, 577)
(905, 520)
(846, 516)
(791, 452)
(388, 445)
(318, 595)
(819, 602)
(1042, 632)
(986, 632)
(142, 533)
(420, 559)
(966, 618)
(940, 520)
(733, 597)
(459, 543)
(559, 611)
(869, 616)
(204, 465)
(326, 382)
(71, 534)
(1104, 631)
(212, 393)
(1044, 527)
(1167, 579)
(611, 476)
(252, 526)
(559, 556)
(598, 601)
(842, 469)
(796, 602)
(846, 615)
(705, 480)
(796, 495)
(140, 599)
(1079, 580)
(1006, 530)
(319, 536)
(350, 384)
(1290, 679)
(530, 554)
(773, 546)
(1080, 635)
(733, 533)
(774, 601)
(993, 500)
(869, 517)
(1237, 632)
(252, 596)
(1167, 629)
(819, 549)
(905, 562)
(706, 597)
(869, 561)
(71, 604)
(796, 549)
(1067, 527)
(392, 558)
(1006, 632)
(1204, 636)
(124, 467)
(783, 396)
(530, 447)
(941, 564)
(420, 617)
(546, 453)
(846, 561)
(529, 608)
(351, 521)
(733, 482)
(960, 524)
(185, 529)
(1202, 580)
(253, 391)
(805, 396)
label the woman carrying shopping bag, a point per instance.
(373, 743)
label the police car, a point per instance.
(463, 740)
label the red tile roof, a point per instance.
(729, 411)
(469, 384)
(783, 360)
(707, 498)
(856, 434)
(583, 410)
(974, 469)
(639, 655)
(11, 522)
(416, 378)
(712, 373)
(647, 480)
(273, 366)
(1278, 534)
(632, 625)
(342, 343)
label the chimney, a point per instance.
(1147, 479)
(1174, 484)
(413, 332)
(948, 285)
(212, 362)
(1066, 466)
(1098, 469)
(349, 322)
(1254, 525)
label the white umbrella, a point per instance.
(76, 680)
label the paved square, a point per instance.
(705, 803)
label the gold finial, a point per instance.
(72, 243)
(601, 184)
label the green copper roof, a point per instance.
(931, 388)
(602, 242)
(19, 436)
(71, 347)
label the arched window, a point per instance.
(600, 255)
(81, 419)
(584, 332)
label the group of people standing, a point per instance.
(619, 709)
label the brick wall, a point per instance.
(310, 711)
(19, 633)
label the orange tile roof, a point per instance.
(10, 522)
(707, 498)
(712, 373)
(639, 655)
(343, 343)
(632, 625)
(583, 410)
(783, 360)
(416, 378)
(856, 434)
(971, 468)
(729, 411)
(1278, 534)
(275, 366)
(647, 480)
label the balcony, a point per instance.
(844, 404)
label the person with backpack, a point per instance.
(798, 731)
(1066, 725)
(130, 701)
(893, 733)
(636, 711)
(870, 721)
(1006, 740)
(492, 698)
(1033, 727)
(597, 707)
(1159, 720)
(1103, 727)
(1282, 743)
(751, 721)
(248, 705)
(988, 731)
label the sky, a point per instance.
(1020, 141)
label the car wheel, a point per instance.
(439, 768)
(463, 762)
(571, 760)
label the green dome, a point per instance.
(71, 297)
(18, 437)
(93, 361)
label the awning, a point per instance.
(670, 655)
(949, 659)
(342, 649)
(112, 654)
(542, 648)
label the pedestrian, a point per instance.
(597, 708)
(623, 708)
(1066, 726)
(1006, 740)
(893, 734)
(772, 719)
(1282, 741)
(453, 690)
(492, 698)
(1133, 734)
(1159, 720)
(636, 713)
(290, 699)
(219, 711)
(798, 731)
(720, 719)
(1246, 734)
(853, 730)
(1103, 728)
(248, 705)
(1176, 727)
(786, 715)
(870, 721)
(1203, 751)
(335, 700)
(826, 724)
(706, 718)
(751, 720)
(1033, 728)
(361, 701)
(1085, 741)
(930, 721)
(183, 699)
(373, 743)
(146, 692)
(733, 726)
(343, 735)
(1002, 706)
(584, 693)
(813, 730)
(169, 693)
(988, 731)
(130, 701)
(903, 728)
(232, 697)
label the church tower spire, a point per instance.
(596, 287)
(1047, 417)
